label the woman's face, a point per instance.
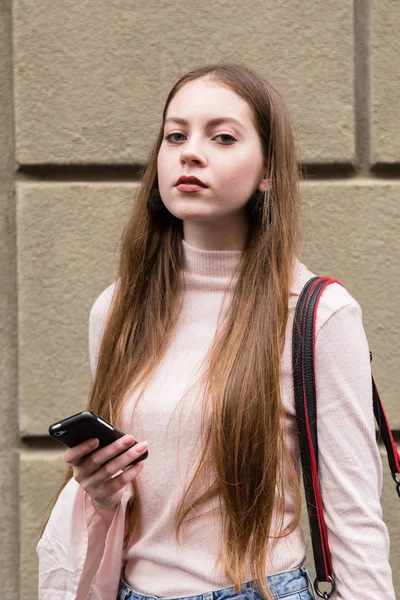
(227, 156)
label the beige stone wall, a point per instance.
(9, 527)
(82, 86)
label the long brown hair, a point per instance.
(244, 431)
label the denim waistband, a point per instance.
(281, 585)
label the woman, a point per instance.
(190, 350)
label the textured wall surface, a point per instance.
(67, 247)
(385, 46)
(91, 77)
(82, 87)
(9, 545)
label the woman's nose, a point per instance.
(192, 154)
(190, 158)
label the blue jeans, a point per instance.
(289, 585)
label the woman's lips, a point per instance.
(189, 187)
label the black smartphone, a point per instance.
(86, 425)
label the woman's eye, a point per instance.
(169, 136)
(225, 135)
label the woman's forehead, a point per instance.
(204, 101)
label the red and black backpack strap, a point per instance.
(303, 354)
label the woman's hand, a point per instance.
(98, 479)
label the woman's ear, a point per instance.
(265, 184)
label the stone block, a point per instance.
(351, 234)
(41, 474)
(385, 81)
(67, 248)
(68, 241)
(91, 83)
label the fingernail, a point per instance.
(141, 446)
(128, 440)
(93, 443)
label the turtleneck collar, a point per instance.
(210, 263)
(213, 269)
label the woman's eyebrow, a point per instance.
(210, 123)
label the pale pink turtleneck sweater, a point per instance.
(350, 465)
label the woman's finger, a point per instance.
(112, 489)
(74, 455)
(109, 470)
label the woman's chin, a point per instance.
(197, 218)
(188, 214)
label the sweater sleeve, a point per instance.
(350, 465)
(80, 557)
